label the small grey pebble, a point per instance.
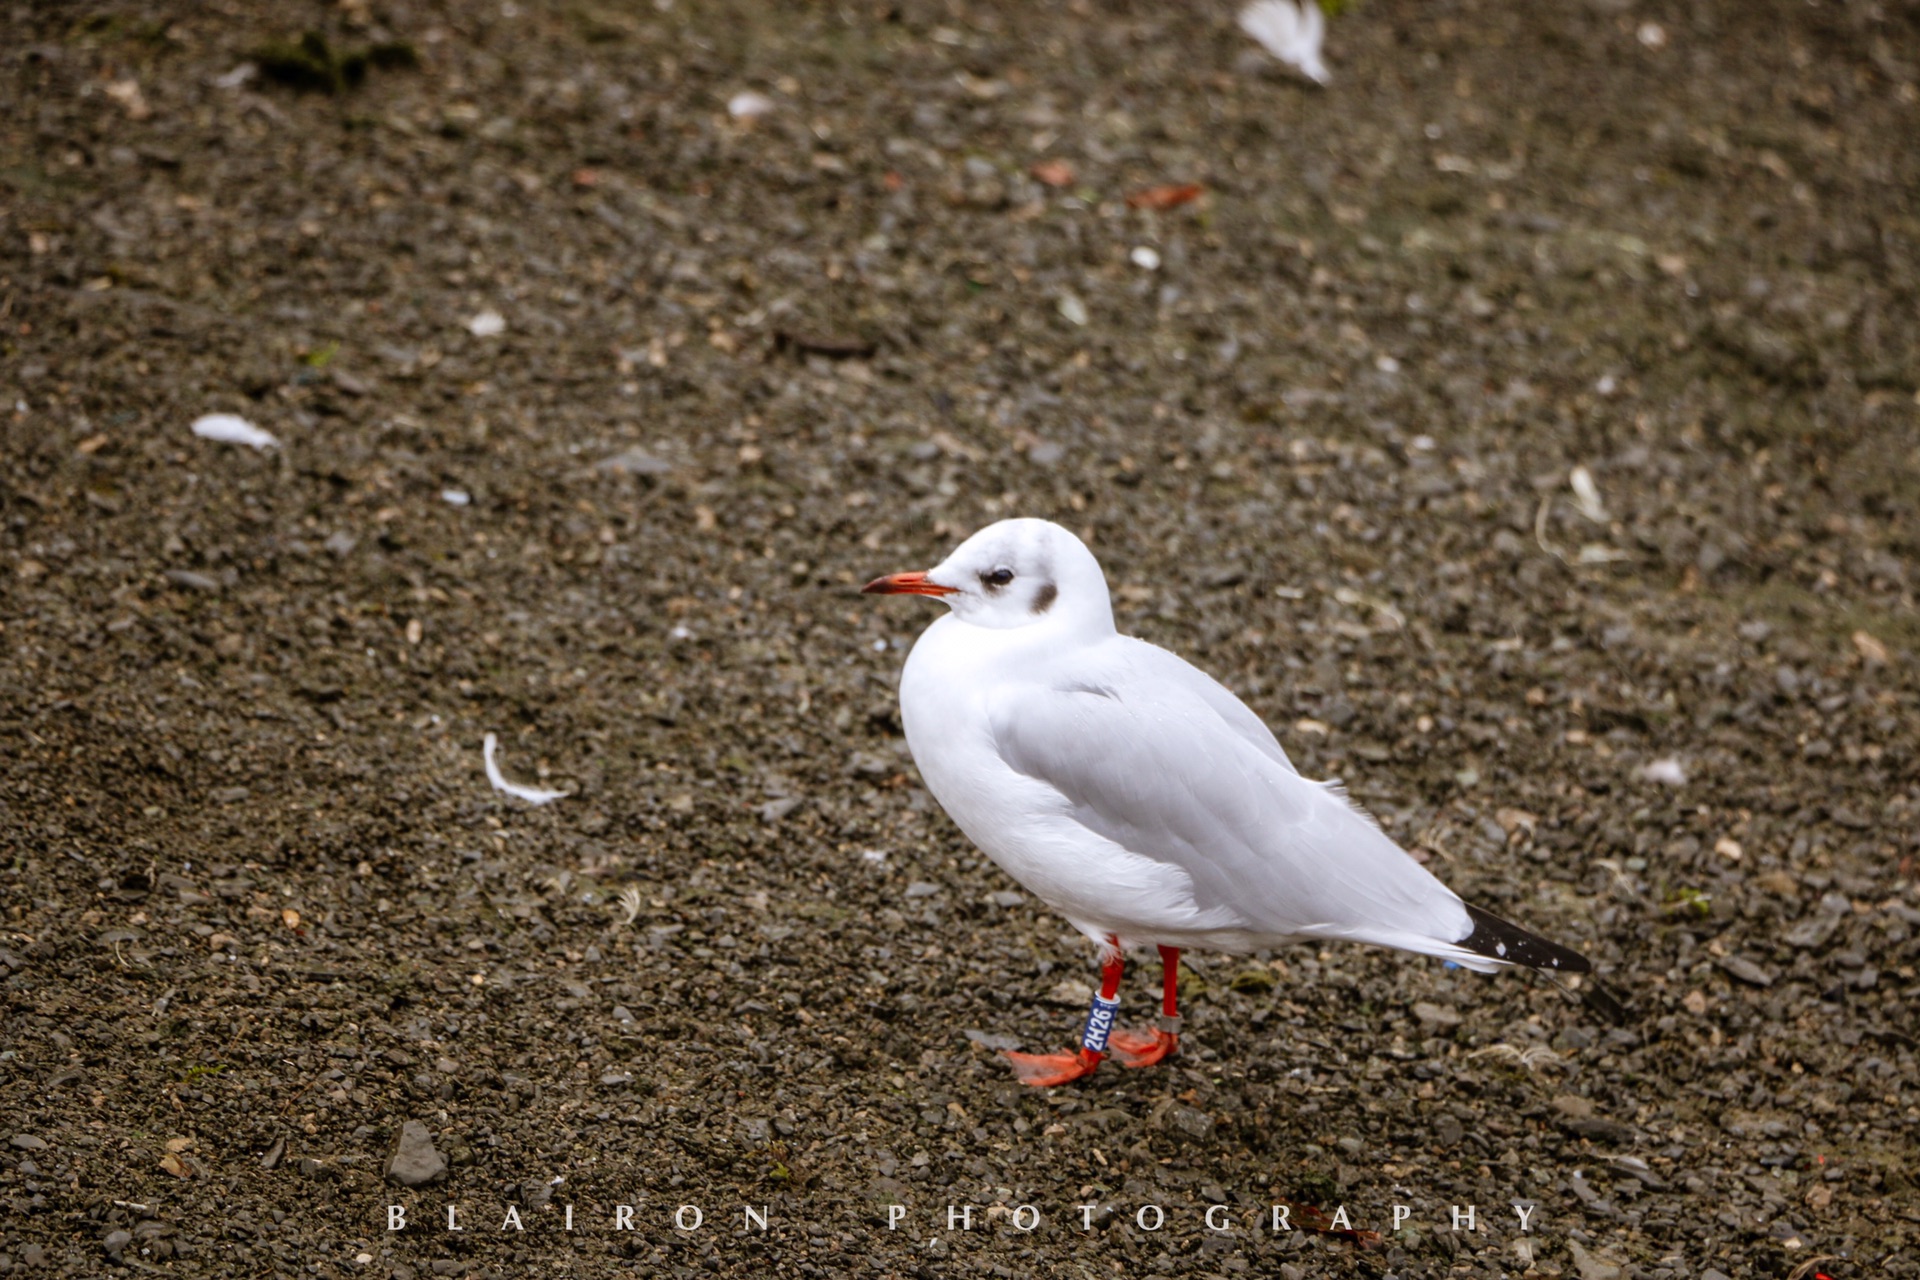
(1747, 971)
(1573, 1038)
(1192, 1121)
(993, 1040)
(774, 810)
(195, 581)
(414, 1161)
(634, 462)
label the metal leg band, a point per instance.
(1170, 1023)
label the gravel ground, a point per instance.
(1524, 425)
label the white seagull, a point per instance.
(1139, 798)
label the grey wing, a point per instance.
(1152, 663)
(1151, 762)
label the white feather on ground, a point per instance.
(532, 795)
(228, 428)
(1668, 772)
(1291, 32)
(749, 105)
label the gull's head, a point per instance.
(1017, 573)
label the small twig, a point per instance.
(1540, 529)
(287, 1106)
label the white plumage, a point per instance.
(1133, 793)
(1291, 32)
(1127, 789)
(1139, 798)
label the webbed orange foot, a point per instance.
(1044, 1069)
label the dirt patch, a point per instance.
(597, 402)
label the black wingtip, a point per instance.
(1496, 939)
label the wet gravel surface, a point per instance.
(1525, 426)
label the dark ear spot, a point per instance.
(1043, 598)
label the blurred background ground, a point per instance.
(1524, 425)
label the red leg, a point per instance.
(1058, 1068)
(1137, 1050)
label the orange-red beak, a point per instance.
(907, 584)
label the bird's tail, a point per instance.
(1506, 943)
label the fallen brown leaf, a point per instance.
(1163, 198)
(1317, 1221)
(1055, 173)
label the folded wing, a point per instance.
(1148, 752)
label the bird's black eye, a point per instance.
(998, 578)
